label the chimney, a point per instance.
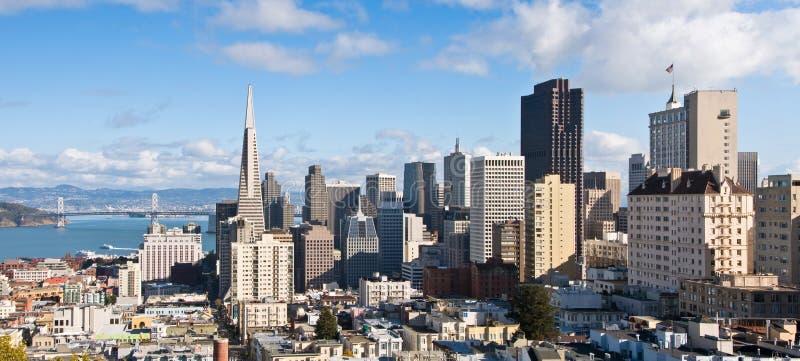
(718, 174)
(220, 349)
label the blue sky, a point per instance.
(151, 93)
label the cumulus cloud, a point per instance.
(457, 61)
(625, 45)
(605, 146)
(267, 56)
(352, 45)
(15, 6)
(270, 16)
(202, 148)
(475, 4)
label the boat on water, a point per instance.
(106, 246)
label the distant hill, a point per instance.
(79, 200)
(16, 215)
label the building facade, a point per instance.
(455, 237)
(343, 201)
(315, 209)
(739, 296)
(225, 210)
(379, 186)
(271, 192)
(419, 189)
(748, 171)
(552, 139)
(390, 232)
(360, 256)
(163, 248)
(313, 257)
(777, 237)
(508, 244)
(376, 289)
(262, 264)
(130, 281)
(456, 178)
(549, 228)
(688, 225)
(637, 170)
(497, 194)
(602, 197)
(611, 250)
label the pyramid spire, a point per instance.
(250, 201)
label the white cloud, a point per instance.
(475, 4)
(271, 16)
(458, 62)
(353, 45)
(269, 57)
(15, 6)
(624, 46)
(605, 146)
(150, 5)
(202, 148)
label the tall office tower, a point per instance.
(688, 225)
(130, 281)
(360, 251)
(163, 248)
(271, 191)
(701, 134)
(282, 213)
(456, 178)
(777, 238)
(250, 202)
(602, 194)
(262, 264)
(343, 202)
(552, 139)
(549, 228)
(379, 186)
(622, 220)
(442, 192)
(455, 237)
(390, 234)
(315, 210)
(637, 170)
(508, 244)
(748, 170)
(225, 209)
(419, 189)
(497, 194)
(313, 256)
(415, 235)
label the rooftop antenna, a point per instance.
(154, 209)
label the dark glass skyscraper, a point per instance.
(552, 139)
(419, 184)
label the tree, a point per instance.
(9, 352)
(532, 309)
(327, 328)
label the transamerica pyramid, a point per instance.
(250, 202)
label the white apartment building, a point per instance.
(374, 290)
(84, 318)
(262, 264)
(688, 225)
(262, 316)
(31, 275)
(497, 194)
(163, 248)
(130, 283)
(415, 234)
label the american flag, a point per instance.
(669, 68)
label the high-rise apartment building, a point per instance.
(419, 189)
(456, 178)
(313, 256)
(637, 170)
(602, 193)
(700, 134)
(271, 192)
(262, 264)
(163, 248)
(360, 256)
(552, 139)
(549, 228)
(748, 170)
(130, 282)
(343, 200)
(777, 236)
(508, 244)
(688, 225)
(497, 194)
(379, 186)
(315, 209)
(390, 232)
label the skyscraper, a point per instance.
(419, 189)
(390, 234)
(378, 186)
(637, 170)
(456, 178)
(497, 194)
(549, 225)
(282, 213)
(315, 209)
(552, 139)
(603, 197)
(748, 170)
(314, 256)
(699, 135)
(342, 204)
(271, 191)
(225, 210)
(360, 251)
(251, 204)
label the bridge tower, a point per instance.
(61, 219)
(154, 209)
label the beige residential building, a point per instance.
(163, 248)
(261, 317)
(611, 250)
(130, 283)
(262, 266)
(374, 290)
(777, 236)
(739, 296)
(508, 244)
(550, 227)
(688, 225)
